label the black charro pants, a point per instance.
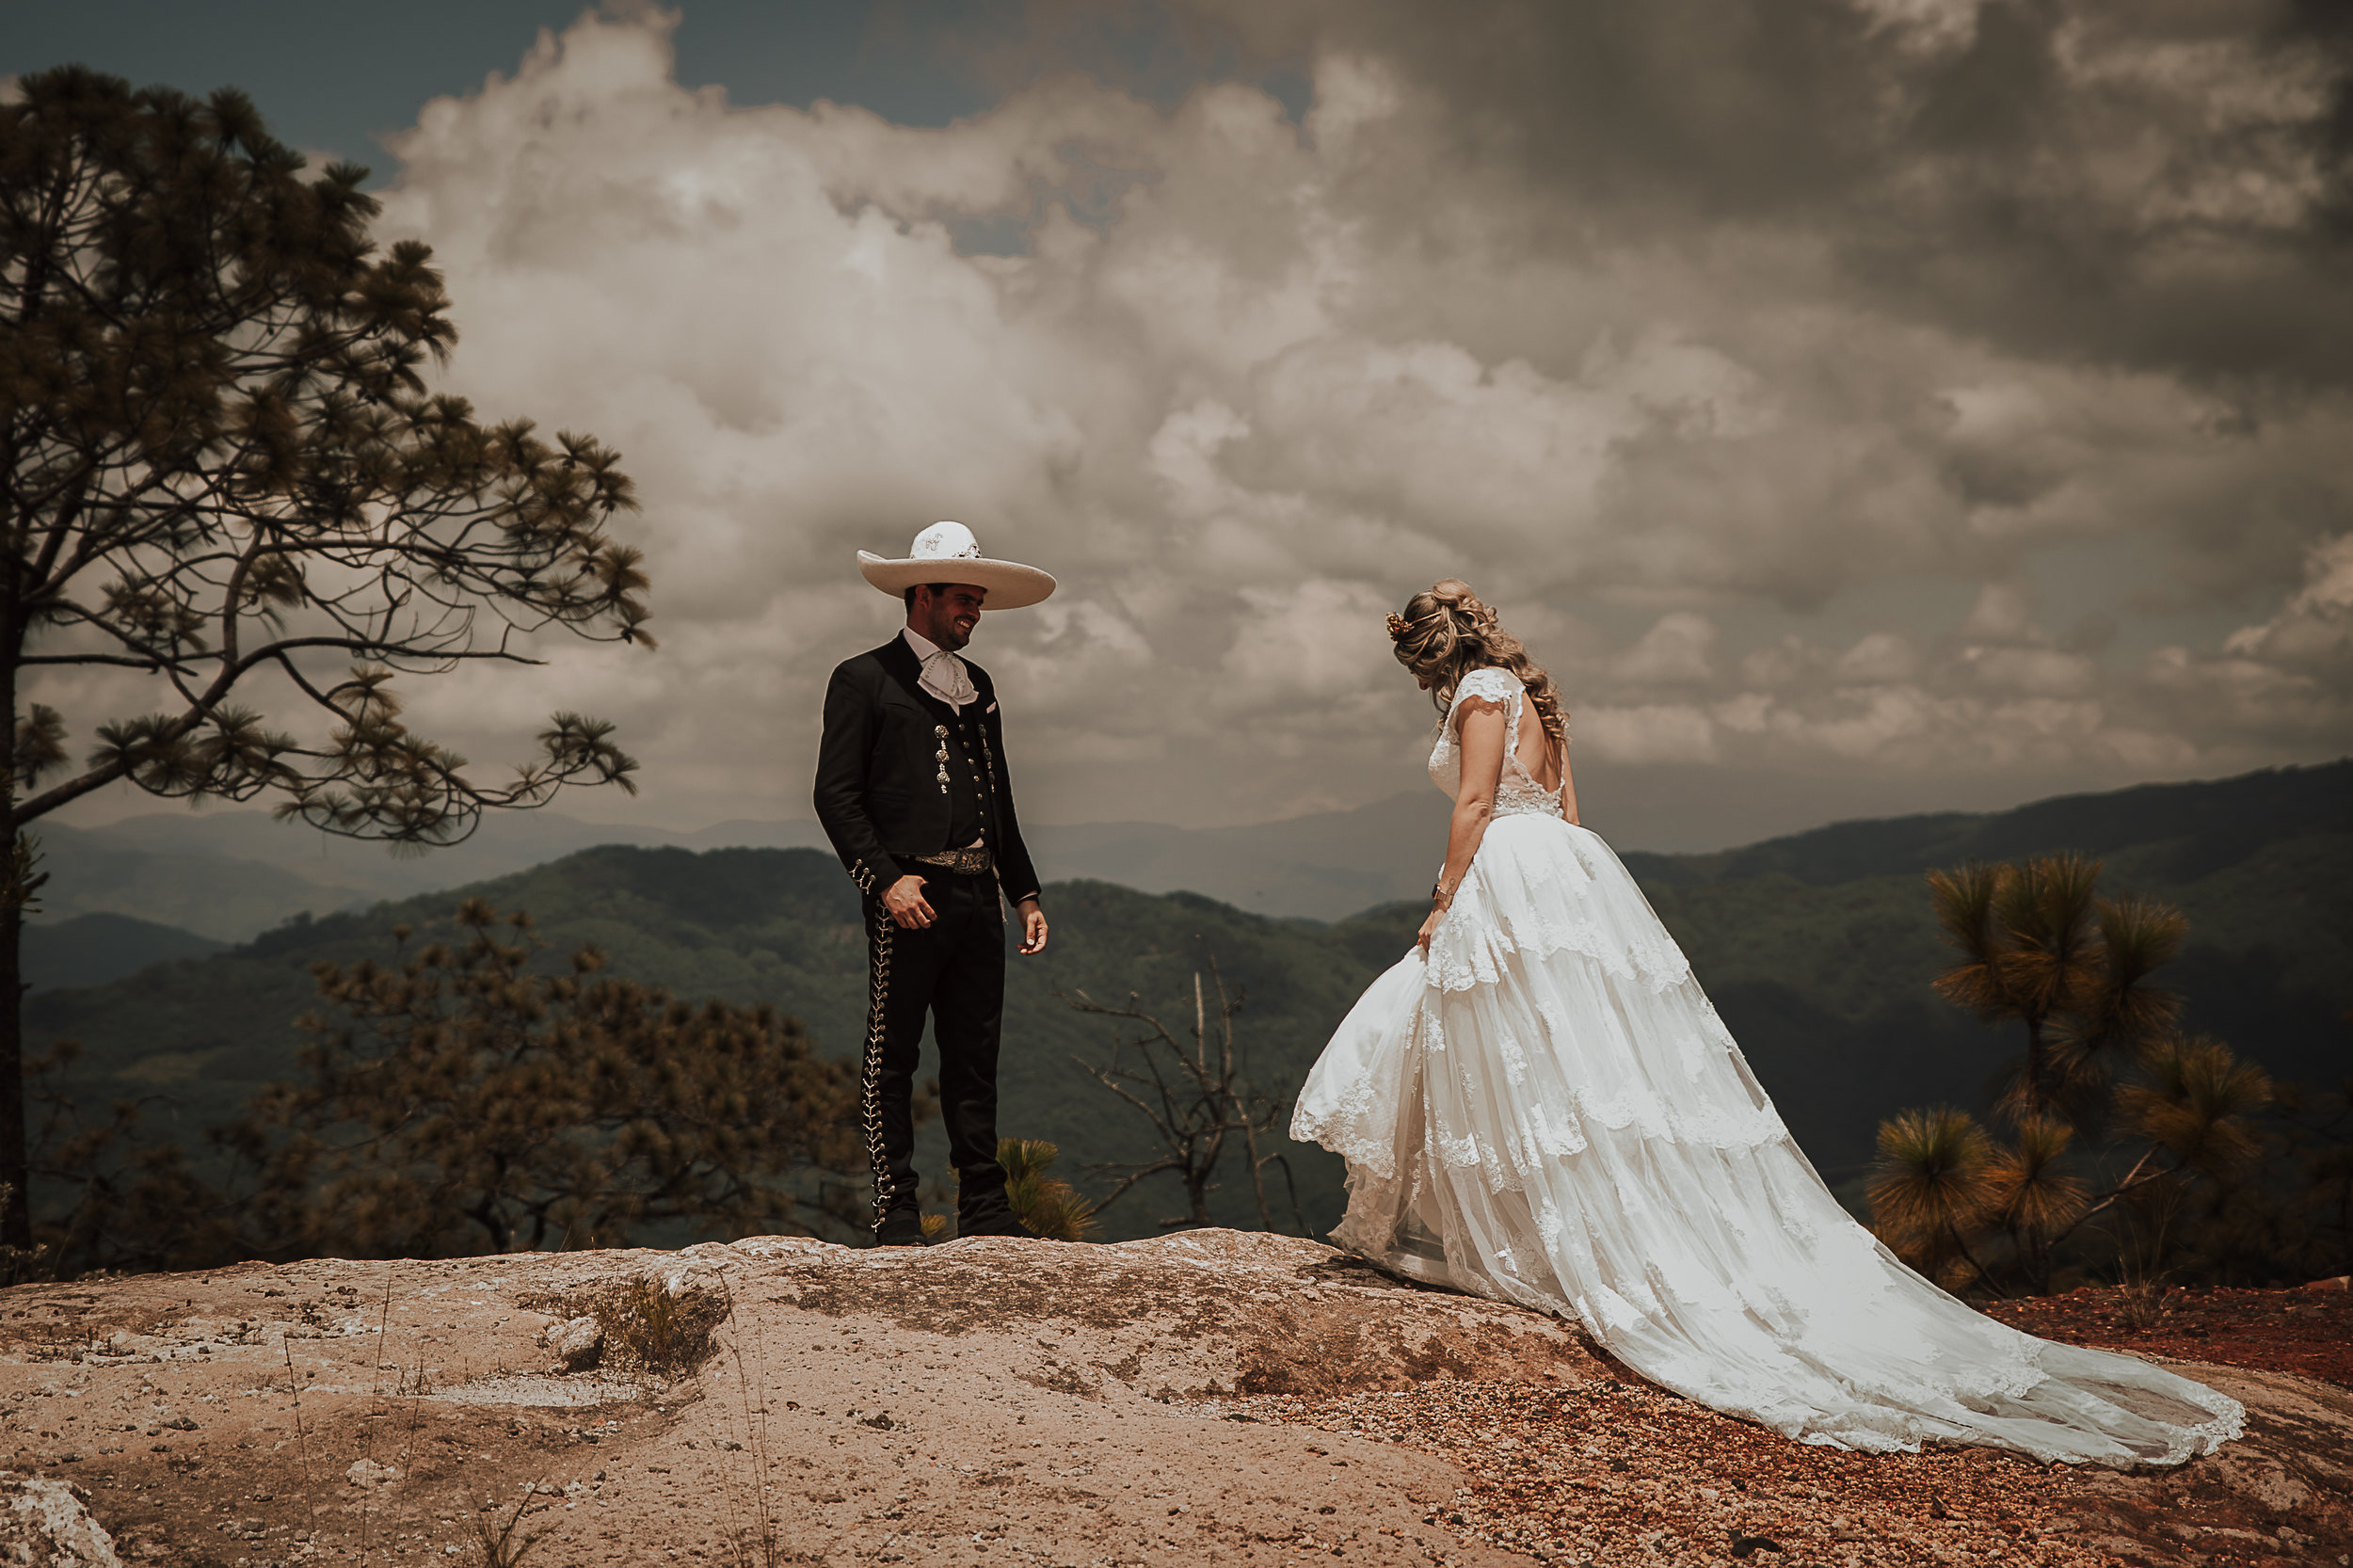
(954, 970)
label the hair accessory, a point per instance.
(1398, 625)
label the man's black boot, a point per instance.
(988, 1214)
(902, 1227)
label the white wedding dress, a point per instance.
(1547, 1111)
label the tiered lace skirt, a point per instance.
(1548, 1111)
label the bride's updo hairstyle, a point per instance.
(1445, 632)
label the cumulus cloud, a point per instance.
(1690, 333)
(2287, 680)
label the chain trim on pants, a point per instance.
(869, 1084)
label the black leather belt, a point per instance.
(975, 861)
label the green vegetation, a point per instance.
(1045, 1204)
(2173, 1168)
(1819, 948)
(225, 483)
(1819, 952)
(2041, 950)
(90, 950)
(455, 1101)
(775, 927)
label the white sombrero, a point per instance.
(948, 552)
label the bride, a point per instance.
(1539, 1105)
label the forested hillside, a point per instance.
(772, 925)
(1817, 950)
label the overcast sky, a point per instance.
(1858, 406)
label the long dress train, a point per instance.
(1547, 1111)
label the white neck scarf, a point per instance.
(944, 675)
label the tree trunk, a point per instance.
(1197, 1195)
(16, 889)
(1257, 1170)
(16, 1222)
(18, 884)
(2034, 1066)
(2037, 1255)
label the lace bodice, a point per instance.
(1516, 792)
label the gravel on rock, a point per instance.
(2307, 1331)
(1632, 1474)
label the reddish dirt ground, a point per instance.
(1206, 1398)
(1585, 1474)
(2308, 1331)
(1578, 1476)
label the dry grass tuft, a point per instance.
(648, 1325)
(503, 1543)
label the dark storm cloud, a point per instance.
(1878, 393)
(2163, 185)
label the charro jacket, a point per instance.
(877, 794)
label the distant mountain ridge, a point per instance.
(1816, 948)
(231, 874)
(2210, 825)
(91, 950)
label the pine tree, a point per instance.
(461, 1099)
(2038, 945)
(223, 481)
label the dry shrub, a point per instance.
(647, 1325)
(662, 1331)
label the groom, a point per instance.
(912, 790)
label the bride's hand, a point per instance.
(1429, 928)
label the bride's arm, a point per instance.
(1482, 749)
(1568, 790)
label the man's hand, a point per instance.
(1033, 926)
(904, 902)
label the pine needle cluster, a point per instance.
(2111, 1113)
(1044, 1203)
(227, 483)
(1047, 1206)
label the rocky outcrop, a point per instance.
(1205, 1396)
(46, 1523)
(577, 1344)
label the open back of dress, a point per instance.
(1547, 1111)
